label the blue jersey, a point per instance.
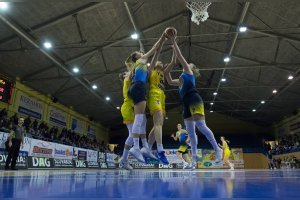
(182, 138)
(140, 72)
(187, 85)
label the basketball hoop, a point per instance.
(199, 11)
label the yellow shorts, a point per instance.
(127, 112)
(227, 153)
(156, 101)
(197, 109)
(183, 149)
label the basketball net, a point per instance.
(199, 11)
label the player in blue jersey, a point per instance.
(193, 107)
(137, 92)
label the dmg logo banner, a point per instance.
(37, 162)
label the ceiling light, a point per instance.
(94, 87)
(243, 29)
(253, 110)
(211, 103)
(226, 59)
(75, 69)
(274, 91)
(107, 98)
(223, 79)
(118, 107)
(211, 111)
(148, 64)
(3, 5)
(290, 77)
(166, 118)
(134, 36)
(47, 45)
(215, 93)
(262, 102)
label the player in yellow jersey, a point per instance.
(156, 102)
(226, 152)
(128, 117)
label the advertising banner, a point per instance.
(63, 163)
(101, 157)
(80, 164)
(208, 159)
(57, 117)
(21, 160)
(63, 151)
(40, 148)
(78, 126)
(92, 164)
(30, 106)
(92, 131)
(92, 156)
(38, 162)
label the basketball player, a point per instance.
(226, 151)
(128, 117)
(193, 107)
(156, 102)
(137, 92)
(182, 153)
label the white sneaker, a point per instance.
(196, 158)
(125, 165)
(147, 153)
(231, 166)
(137, 154)
(219, 156)
(186, 165)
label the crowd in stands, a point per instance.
(42, 131)
(287, 144)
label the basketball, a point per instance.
(170, 32)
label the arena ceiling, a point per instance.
(95, 37)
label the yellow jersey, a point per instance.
(126, 85)
(157, 79)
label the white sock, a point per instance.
(129, 141)
(143, 131)
(138, 120)
(201, 125)
(190, 127)
(160, 147)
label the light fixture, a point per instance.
(167, 118)
(211, 111)
(118, 107)
(274, 91)
(290, 77)
(215, 93)
(211, 103)
(223, 79)
(94, 86)
(243, 29)
(107, 98)
(47, 45)
(253, 110)
(75, 69)
(226, 59)
(134, 36)
(148, 64)
(262, 102)
(3, 5)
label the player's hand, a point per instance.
(172, 135)
(9, 144)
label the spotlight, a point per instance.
(107, 98)
(118, 107)
(3, 5)
(262, 102)
(211, 103)
(134, 36)
(211, 111)
(290, 77)
(274, 91)
(226, 59)
(253, 110)
(215, 93)
(243, 29)
(94, 87)
(75, 69)
(223, 79)
(47, 45)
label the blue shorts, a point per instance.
(137, 92)
(192, 104)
